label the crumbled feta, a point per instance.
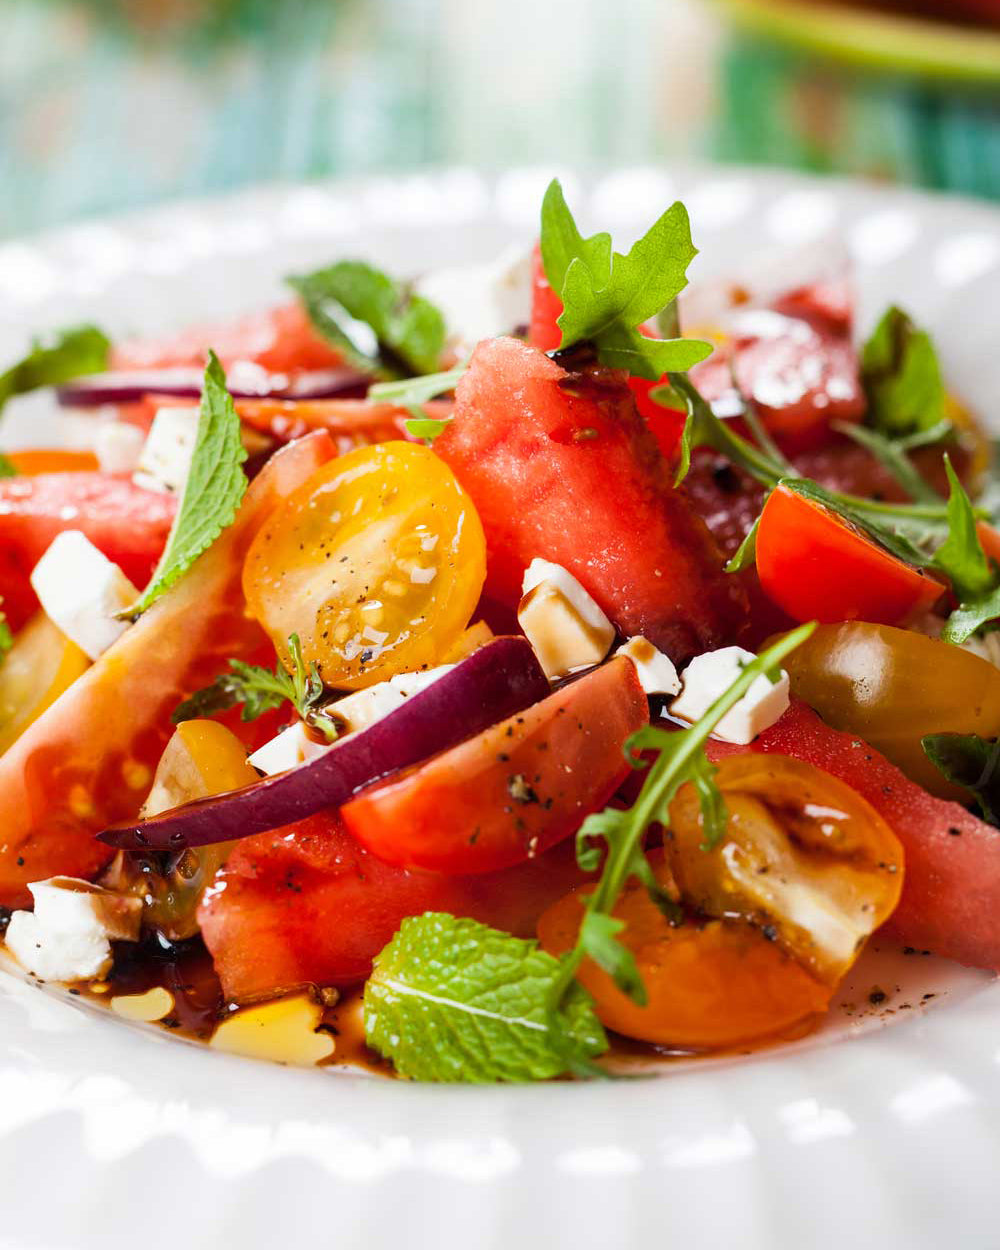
(118, 446)
(365, 707)
(655, 670)
(710, 675)
(166, 454)
(293, 746)
(80, 590)
(562, 622)
(68, 936)
(482, 301)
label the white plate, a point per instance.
(115, 1136)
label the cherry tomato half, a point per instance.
(708, 986)
(512, 791)
(377, 564)
(818, 567)
(40, 665)
(805, 858)
(893, 686)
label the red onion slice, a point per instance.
(245, 381)
(493, 683)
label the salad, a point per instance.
(469, 676)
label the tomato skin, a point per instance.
(129, 524)
(307, 904)
(894, 686)
(708, 986)
(815, 566)
(951, 894)
(460, 812)
(89, 759)
(280, 340)
(561, 466)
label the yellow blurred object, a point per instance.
(41, 664)
(202, 758)
(147, 1008)
(283, 1031)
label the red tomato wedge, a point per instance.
(129, 524)
(89, 759)
(307, 905)
(561, 466)
(513, 791)
(816, 566)
(951, 892)
(280, 340)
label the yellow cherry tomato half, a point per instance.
(804, 857)
(40, 665)
(892, 686)
(708, 985)
(377, 563)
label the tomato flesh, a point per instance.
(307, 904)
(561, 466)
(514, 790)
(708, 985)
(950, 902)
(815, 566)
(88, 761)
(377, 564)
(129, 524)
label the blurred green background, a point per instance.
(111, 104)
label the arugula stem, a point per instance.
(665, 776)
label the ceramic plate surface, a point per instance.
(883, 1129)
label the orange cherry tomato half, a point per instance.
(818, 567)
(52, 460)
(377, 564)
(708, 986)
(805, 858)
(514, 790)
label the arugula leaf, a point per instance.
(902, 376)
(680, 758)
(379, 324)
(969, 761)
(260, 690)
(891, 452)
(215, 487)
(454, 1000)
(6, 637)
(607, 295)
(7, 468)
(961, 556)
(745, 555)
(413, 392)
(50, 362)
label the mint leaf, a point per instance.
(607, 295)
(215, 487)
(379, 324)
(260, 690)
(7, 468)
(969, 761)
(66, 355)
(901, 376)
(454, 1000)
(680, 758)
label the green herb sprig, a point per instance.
(66, 355)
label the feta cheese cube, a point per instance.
(655, 670)
(365, 707)
(166, 454)
(710, 675)
(562, 622)
(482, 301)
(68, 936)
(118, 446)
(293, 746)
(80, 590)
